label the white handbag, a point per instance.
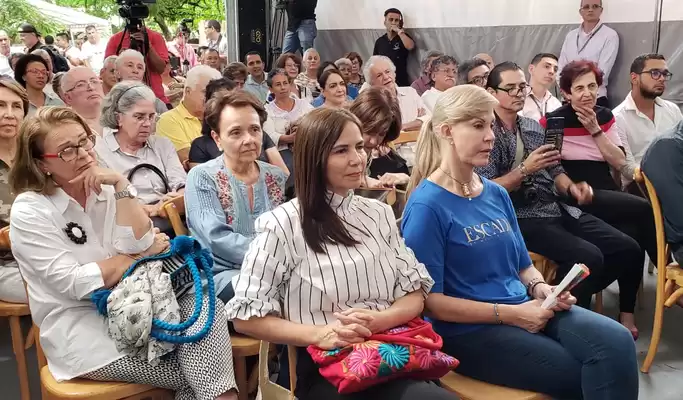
(268, 390)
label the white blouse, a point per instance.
(62, 274)
(281, 275)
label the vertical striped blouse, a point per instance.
(281, 275)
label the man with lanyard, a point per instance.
(592, 41)
(216, 41)
(395, 44)
(540, 191)
(540, 101)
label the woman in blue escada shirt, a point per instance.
(486, 299)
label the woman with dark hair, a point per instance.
(32, 72)
(283, 111)
(325, 67)
(291, 63)
(236, 72)
(333, 89)
(328, 255)
(205, 148)
(356, 78)
(592, 152)
(13, 109)
(380, 115)
(224, 196)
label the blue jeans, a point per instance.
(302, 38)
(579, 355)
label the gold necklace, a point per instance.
(466, 187)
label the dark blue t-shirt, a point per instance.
(472, 248)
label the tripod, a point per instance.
(278, 29)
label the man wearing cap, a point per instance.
(395, 44)
(30, 37)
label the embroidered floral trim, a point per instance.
(274, 188)
(225, 196)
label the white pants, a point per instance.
(11, 285)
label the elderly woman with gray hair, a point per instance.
(130, 66)
(308, 79)
(129, 147)
(424, 82)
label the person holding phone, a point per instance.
(487, 296)
(395, 44)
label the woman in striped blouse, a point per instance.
(329, 256)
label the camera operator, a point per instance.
(541, 191)
(301, 27)
(151, 44)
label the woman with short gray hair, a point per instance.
(130, 147)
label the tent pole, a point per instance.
(659, 5)
(232, 29)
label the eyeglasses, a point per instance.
(448, 71)
(141, 118)
(524, 90)
(479, 80)
(71, 153)
(34, 71)
(587, 7)
(84, 85)
(657, 74)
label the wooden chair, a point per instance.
(406, 137)
(173, 210)
(77, 388)
(667, 275)
(548, 269)
(14, 312)
(472, 389)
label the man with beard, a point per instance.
(540, 101)
(643, 115)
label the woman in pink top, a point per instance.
(592, 152)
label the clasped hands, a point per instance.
(352, 326)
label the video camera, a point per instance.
(134, 12)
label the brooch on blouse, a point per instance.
(76, 233)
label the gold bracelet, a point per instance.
(523, 170)
(495, 311)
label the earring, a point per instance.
(49, 173)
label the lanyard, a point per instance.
(587, 40)
(538, 105)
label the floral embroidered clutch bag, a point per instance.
(410, 351)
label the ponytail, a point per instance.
(427, 156)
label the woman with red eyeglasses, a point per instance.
(33, 74)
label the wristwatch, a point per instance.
(129, 192)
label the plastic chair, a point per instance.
(548, 269)
(667, 275)
(173, 210)
(472, 389)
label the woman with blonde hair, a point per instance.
(77, 228)
(487, 296)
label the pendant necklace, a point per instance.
(466, 187)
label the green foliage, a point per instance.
(17, 12)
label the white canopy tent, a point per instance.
(75, 20)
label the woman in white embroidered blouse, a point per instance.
(329, 268)
(76, 227)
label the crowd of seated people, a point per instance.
(299, 259)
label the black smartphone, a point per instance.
(554, 132)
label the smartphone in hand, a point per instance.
(554, 132)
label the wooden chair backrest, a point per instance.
(406, 137)
(662, 245)
(270, 390)
(4, 239)
(172, 210)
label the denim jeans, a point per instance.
(579, 355)
(302, 38)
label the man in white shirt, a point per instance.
(380, 71)
(216, 41)
(592, 41)
(443, 76)
(92, 51)
(5, 47)
(643, 115)
(72, 54)
(540, 101)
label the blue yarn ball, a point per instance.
(183, 245)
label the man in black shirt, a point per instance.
(395, 44)
(301, 29)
